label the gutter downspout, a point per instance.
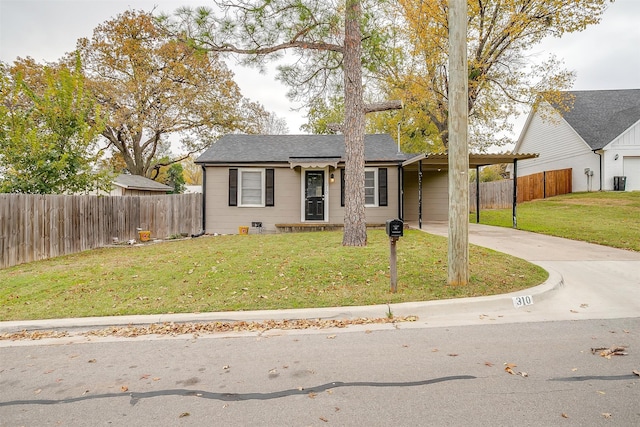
(600, 164)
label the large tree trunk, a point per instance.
(355, 227)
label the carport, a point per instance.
(439, 162)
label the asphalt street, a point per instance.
(449, 368)
(445, 376)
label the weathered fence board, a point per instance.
(35, 227)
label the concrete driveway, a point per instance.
(587, 281)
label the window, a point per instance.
(251, 187)
(370, 178)
(375, 187)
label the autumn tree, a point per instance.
(158, 91)
(327, 38)
(502, 74)
(49, 124)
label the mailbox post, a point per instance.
(395, 230)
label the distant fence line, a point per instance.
(36, 227)
(499, 194)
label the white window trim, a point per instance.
(376, 190)
(262, 187)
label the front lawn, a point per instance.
(224, 273)
(607, 218)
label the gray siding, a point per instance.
(435, 196)
(224, 219)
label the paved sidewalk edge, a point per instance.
(420, 309)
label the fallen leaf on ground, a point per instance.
(312, 395)
(606, 415)
(584, 305)
(145, 376)
(573, 311)
(508, 367)
(330, 337)
(574, 369)
(607, 352)
(172, 328)
(452, 354)
(38, 391)
(124, 388)
(489, 364)
(226, 367)
(324, 419)
(184, 414)
(636, 372)
(92, 361)
(565, 415)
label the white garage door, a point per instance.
(632, 172)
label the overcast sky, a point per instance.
(605, 56)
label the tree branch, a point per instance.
(383, 106)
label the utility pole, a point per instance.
(458, 254)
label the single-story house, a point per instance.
(598, 138)
(278, 182)
(136, 185)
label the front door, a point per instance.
(314, 196)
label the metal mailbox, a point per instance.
(395, 228)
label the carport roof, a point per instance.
(441, 160)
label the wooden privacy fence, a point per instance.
(544, 184)
(35, 227)
(499, 194)
(493, 195)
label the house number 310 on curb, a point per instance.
(522, 301)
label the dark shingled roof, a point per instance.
(234, 148)
(137, 182)
(599, 116)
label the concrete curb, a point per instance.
(423, 310)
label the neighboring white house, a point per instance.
(598, 138)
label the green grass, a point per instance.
(606, 218)
(224, 273)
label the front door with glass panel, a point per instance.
(314, 196)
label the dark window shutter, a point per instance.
(382, 187)
(270, 190)
(341, 187)
(233, 187)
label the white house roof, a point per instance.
(600, 116)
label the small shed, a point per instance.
(136, 185)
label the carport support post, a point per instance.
(393, 271)
(478, 194)
(515, 192)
